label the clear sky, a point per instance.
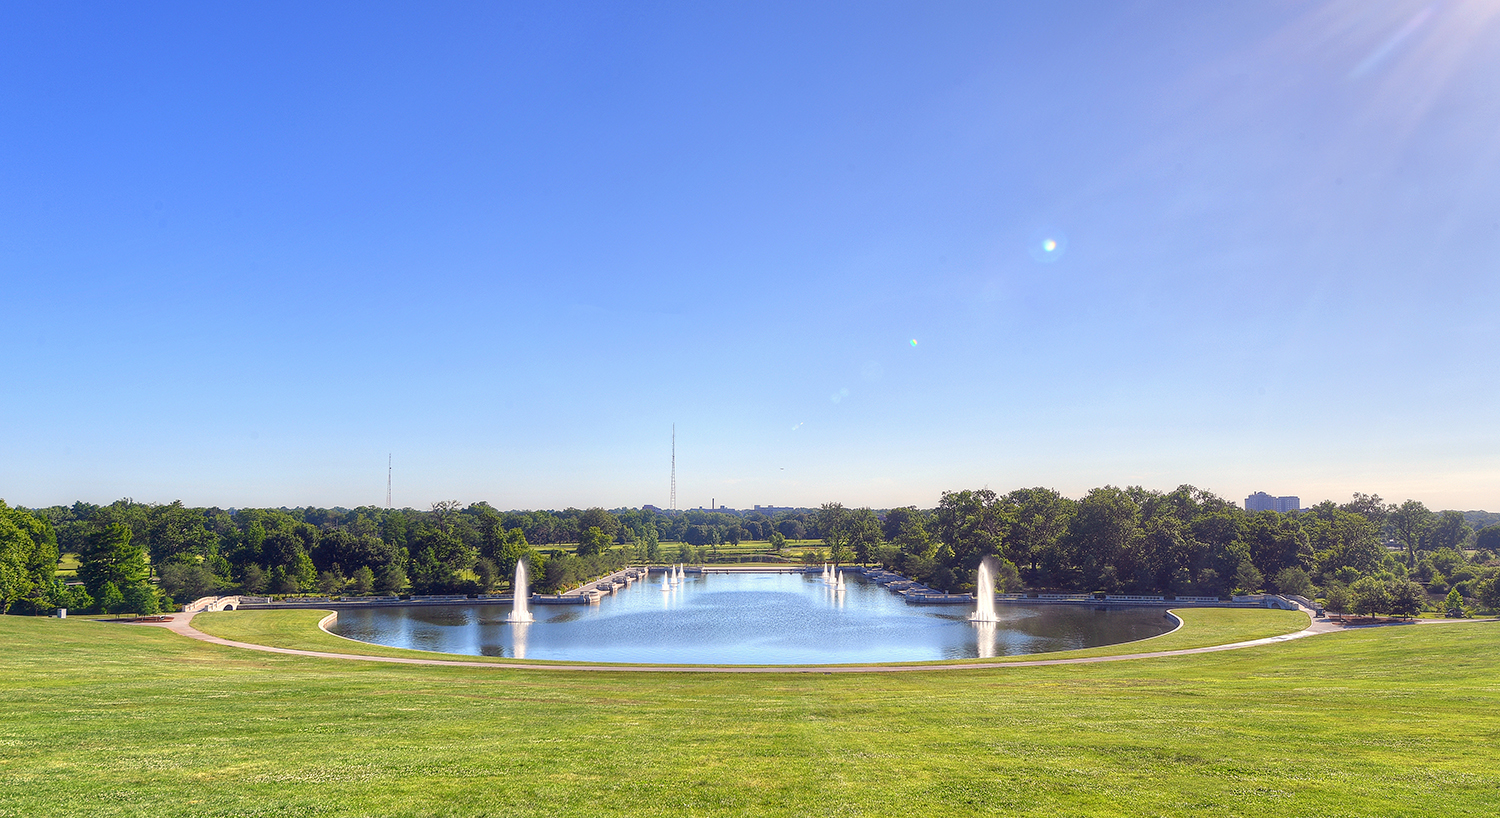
(857, 252)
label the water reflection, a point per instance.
(750, 618)
(518, 638)
(984, 638)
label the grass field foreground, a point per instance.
(109, 719)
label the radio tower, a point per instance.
(388, 480)
(673, 503)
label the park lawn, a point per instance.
(299, 629)
(108, 719)
(67, 566)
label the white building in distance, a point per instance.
(1260, 501)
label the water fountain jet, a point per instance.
(984, 591)
(518, 612)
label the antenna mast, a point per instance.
(673, 503)
(387, 480)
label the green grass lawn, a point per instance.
(67, 566)
(102, 719)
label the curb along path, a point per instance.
(182, 624)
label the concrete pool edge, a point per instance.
(181, 625)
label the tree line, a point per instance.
(1363, 553)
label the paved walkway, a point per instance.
(182, 624)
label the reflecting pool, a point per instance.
(750, 619)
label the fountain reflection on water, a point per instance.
(984, 637)
(518, 638)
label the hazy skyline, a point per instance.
(248, 251)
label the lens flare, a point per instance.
(913, 342)
(1047, 244)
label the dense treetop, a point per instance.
(1126, 540)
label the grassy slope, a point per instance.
(298, 629)
(103, 719)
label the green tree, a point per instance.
(1247, 577)
(58, 594)
(776, 541)
(392, 579)
(1007, 577)
(1342, 539)
(28, 554)
(650, 544)
(112, 557)
(1105, 522)
(253, 579)
(174, 531)
(972, 524)
(1369, 506)
(140, 599)
(1038, 519)
(302, 571)
(593, 541)
(187, 582)
(279, 582)
(1488, 538)
(1277, 542)
(1449, 530)
(332, 582)
(363, 579)
(1369, 596)
(1488, 593)
(864, 533)
(512, 548)
(111, 601)
(602, 520)
(1336, 598)
(1410, 522)
(833, 527)
(484, 569)
(1293, 581)
(1406, 597)
(1453, 604)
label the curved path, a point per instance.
(182, 624)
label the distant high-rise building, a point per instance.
(1260, 501)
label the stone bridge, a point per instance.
(212, 603)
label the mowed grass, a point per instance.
(109, 719)
(299, 629)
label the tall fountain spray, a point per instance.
(518, 612)
(838, 582)
(985, 591)
(666, 580)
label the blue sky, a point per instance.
(249, 250)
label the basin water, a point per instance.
(754, 618)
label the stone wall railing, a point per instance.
(212, 603)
